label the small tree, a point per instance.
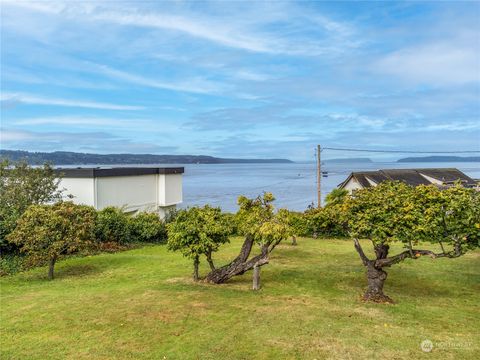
(258, 222)
(296, 223)
(20, 187)
(198, 231)
(45, 232)
(395, 212)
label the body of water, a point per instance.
(294, 185)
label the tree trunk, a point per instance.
(196, 262)
(240, 264)
(376, 279)
(51, 267)
(294, 240)
(256, 277)
(375, 275)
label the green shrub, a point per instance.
(46, 232)
(113, 225)
(147, 227)
(11, 264)
(331, 220)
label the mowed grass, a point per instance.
(141, 304)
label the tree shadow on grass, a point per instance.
(77, 270)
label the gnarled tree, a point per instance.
(198, 231)
(258, 222)
(396, 212)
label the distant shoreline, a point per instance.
(74, 158)
(441, 159)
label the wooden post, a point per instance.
(256, 277)
(319, 177)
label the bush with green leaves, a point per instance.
(331, 220)
(12, 263)
(21, 186)
(46, 232)
(148, 227)
(198, 231)
(395, 212)
(296, 221)
(113, 225)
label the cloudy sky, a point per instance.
(239, 79)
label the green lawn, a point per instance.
(141, 304)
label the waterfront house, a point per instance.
(134, 189)
(414, 177)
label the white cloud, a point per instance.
(252, 33)
(15, 135)
(195, 85)
(157, 125)
(436, 64)
(12, 99)
(98, 142)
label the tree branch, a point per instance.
(273, 245)
(359, 249)
(416, 254)
(210, 261)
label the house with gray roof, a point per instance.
(414, 177)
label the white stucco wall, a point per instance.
(131, 192)
(155, 192)
(82, 189)
(173, 189)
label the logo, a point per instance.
(426, 345)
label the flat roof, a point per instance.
(80, 172)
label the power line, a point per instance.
(402, 151)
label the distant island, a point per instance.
(441, 159)
(74, 158)
(349, 160)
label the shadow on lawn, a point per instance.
(77, 270)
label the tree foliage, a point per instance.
(396, 212)
(336, 196)
(330, 220)
(257, 219)
(45, 232)
(198, 231)
(20, 187)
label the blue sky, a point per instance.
(239, 79)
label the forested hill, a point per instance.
(74, 158)
(441, 159)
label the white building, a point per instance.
(414, 177)
(133, 189)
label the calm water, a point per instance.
(294, 185)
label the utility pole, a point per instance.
(319, 177)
